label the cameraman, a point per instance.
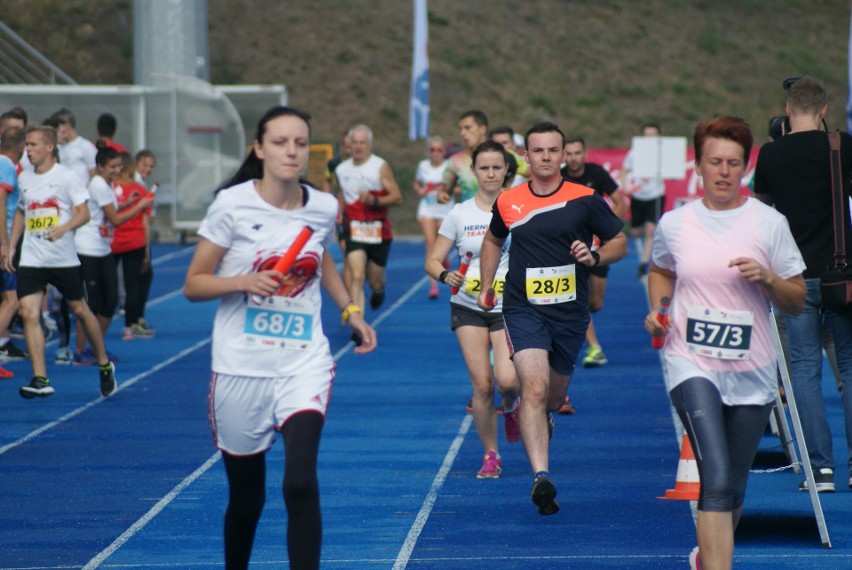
(793, 172)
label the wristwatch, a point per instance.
(597, 258)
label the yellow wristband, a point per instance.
(345, 313)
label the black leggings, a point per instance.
(247, 482)
(137, 284)
(101, 281)
(724, 438)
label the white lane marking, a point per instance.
(432, 496)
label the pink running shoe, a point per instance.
(492, 465)
(567, 409)
(695, 559)
(433, 291)
(511, 423)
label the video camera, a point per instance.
(780, 125)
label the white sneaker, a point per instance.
(823, 481)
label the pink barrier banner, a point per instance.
(678, 192)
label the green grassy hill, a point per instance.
(597, 67)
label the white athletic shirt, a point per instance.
(642, 188)
(431, 177)
(466, 225)
(720, 322)
(354, 179)
(283, 335)
(79, 155)
(47, 200)
(93, 237)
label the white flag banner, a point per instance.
(418, 115)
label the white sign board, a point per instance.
(659, 156)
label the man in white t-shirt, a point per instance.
(367, 189)
(647, 200)
(75, 152)
(52, 205)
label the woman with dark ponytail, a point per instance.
(272, 368)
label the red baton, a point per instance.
(662, 318)
(465, 263)
(490, 298)
(285, 262)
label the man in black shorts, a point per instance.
(367, 189)
(552, 223)
(596, 177)
(647, 200)
(52, 205)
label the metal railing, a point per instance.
(20, 63)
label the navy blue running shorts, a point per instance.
(527, 327)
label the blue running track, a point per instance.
(133, 481)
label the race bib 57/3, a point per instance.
(719, 333)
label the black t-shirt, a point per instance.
(595, 177)
(542, 230)
(795, 171)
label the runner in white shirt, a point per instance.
(272, 367)
(721, 261)
(367, 189)
(75, 152)
(51, 207)
(92, 241)
(647, 200)
(476, 330)
(427, 182)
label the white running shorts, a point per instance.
(246, 412)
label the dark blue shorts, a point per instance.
(527, 327)
(9, 281)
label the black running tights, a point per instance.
(247, 480)
(724, 438)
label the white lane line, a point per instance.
(390, 310)
(122, 386)
(173, 255)
(154, 511)
(173, 494)
(425, 510)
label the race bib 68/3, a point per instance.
(279, 322)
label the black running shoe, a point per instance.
(38, 386)
(544, 495)
(108, 384)
(9, 352)
(377, 298)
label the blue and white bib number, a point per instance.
(279, 322)
(716, 333)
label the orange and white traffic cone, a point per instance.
(687, 484)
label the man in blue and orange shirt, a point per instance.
(546, 295)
